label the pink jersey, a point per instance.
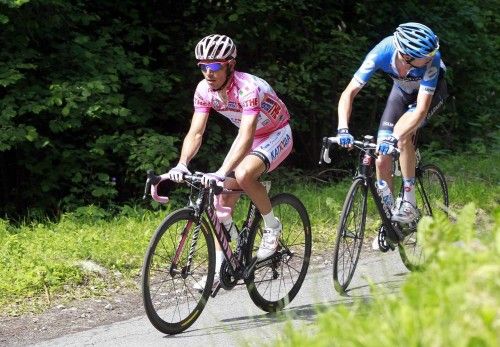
(247, 95)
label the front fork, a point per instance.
(186, 270)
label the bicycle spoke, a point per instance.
(431, 196)
(170, 297)
(274, 285)
(349, 235)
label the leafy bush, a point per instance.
(93, 93)
(454, 301)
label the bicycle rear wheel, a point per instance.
(432, 195)
(180, 255)
(277, 280)
(350, 234)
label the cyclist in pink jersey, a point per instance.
(264, 138)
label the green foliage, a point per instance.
(93, 93)
(454, 301)
(43, 257)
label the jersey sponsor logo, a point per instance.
(389, 124)
(431, 73)
(250, 103)
(233, 106)
(198, 101)
(408, 78)
(283, 144)
(428, 89)
(270, 107)
(265, 122)
(266, 145)
(369, 64)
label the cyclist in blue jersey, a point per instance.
(412, 59)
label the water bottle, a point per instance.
(385, 193)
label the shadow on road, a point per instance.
(303, 313)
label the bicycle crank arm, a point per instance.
(216, 290)
(250, 268)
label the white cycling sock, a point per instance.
(409, 190)
(219, 256)
(270, 221)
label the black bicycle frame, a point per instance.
(366, 172)
(222, 234)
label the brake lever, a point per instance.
(151, 179)
(325, 152)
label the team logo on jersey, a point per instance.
(250, 103)
(233, 106)
(430, 73)
(270, 107)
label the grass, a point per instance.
(42, 262)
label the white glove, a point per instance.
(177, 173)
(217, 176)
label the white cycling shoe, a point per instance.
(404, 212)
(200, 285)
(375, 245)
(269, 242)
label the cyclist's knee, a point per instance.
(243, 176)
(384, 163)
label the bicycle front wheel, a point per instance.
(178, 272)
(277, 280)
(350, 234)
(432, 195)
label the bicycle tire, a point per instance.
(350, 233)
(432, 194)
(274, 286)
(171, 302)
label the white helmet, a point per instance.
(219, 47)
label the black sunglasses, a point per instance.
(409, 59)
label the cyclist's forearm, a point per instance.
(344, 111)
(345, 103)
(408, 123)
(190, 147)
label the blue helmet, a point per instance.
(416, 40)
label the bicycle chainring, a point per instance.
(228, 281)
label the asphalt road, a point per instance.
(231, 318)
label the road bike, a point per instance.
(181, 255)
(431, 194)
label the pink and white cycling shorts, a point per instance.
(273, 148)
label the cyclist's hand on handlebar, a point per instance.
(388, 145)
(176, 173)
(345, 139)
(217, 176)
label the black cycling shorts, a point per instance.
(399, 102)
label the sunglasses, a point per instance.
(215, 66)
(408, 60)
